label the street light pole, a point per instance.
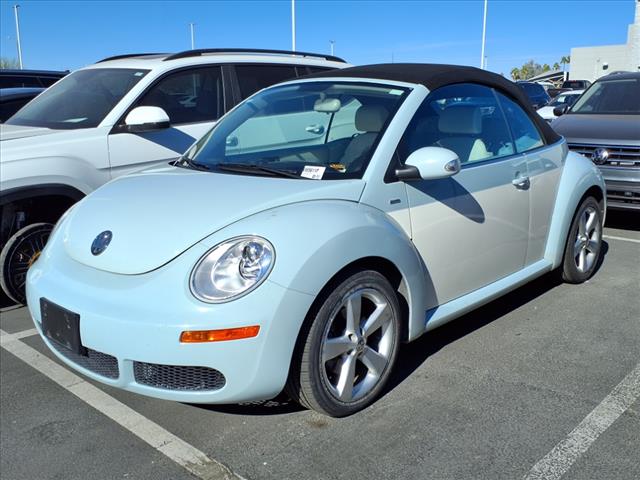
(332, 42)
(15, 9)
(484, 34)
(193, 43)
(293, 25)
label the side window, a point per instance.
(525, 133)
(318, 69)
(18, 82)
(464, 118)
(252, 78)
(47, 81)
(188, 96)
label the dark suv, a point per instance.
(604, 125)
(29, 78)
(536, 93)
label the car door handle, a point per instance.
(521, 182)
(317, 129)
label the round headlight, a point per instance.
(232, 268)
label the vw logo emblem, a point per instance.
(599, 156)
(101, 242)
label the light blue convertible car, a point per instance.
(318, 226)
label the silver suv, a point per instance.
(117, 116)
(604, 125)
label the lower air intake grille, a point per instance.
(175, 377)
(98, 362)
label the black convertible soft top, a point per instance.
(433, 76)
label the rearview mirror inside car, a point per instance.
(146, 119)
(327, 105)
(429, 163)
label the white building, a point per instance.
(590, 63)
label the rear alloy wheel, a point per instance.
(348, 352)
(21, 250)
(584, 244)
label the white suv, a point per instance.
(114, 117)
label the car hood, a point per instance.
(11, 132)
(599, 129)
(157, 214)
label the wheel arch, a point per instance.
(383, 266)
(580, 179)
(35, 191)
(37, 203)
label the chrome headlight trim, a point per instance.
(218, 278)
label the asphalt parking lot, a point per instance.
(542, 383)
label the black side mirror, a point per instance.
(561, 110)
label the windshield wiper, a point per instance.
(187, 162)
(252, 168)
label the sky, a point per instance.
(61, 35)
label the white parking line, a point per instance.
(560, 459)
(25, 333)
(8, 309)
(623, 239)
(184, 454)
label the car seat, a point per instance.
(369, 119)
(462, 126)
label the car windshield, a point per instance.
(564, 99)
(618, 97)
(80, 100)
(318, 130)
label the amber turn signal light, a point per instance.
(200, 336)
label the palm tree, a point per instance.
(565, 60)
(515, 73)
(556, 66)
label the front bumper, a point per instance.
(137, 320)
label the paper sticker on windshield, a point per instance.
(138, 74)
(314, 173)
(395, 92)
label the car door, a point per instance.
(470, 229)
(251, 78)
(193, 98)
(544, 164)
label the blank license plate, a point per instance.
(61, 326)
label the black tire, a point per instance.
(18, 254)
(311, 380)
(583, 248)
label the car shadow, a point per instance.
(279, 405)
(623, 220)
(414, 354)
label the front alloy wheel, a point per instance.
(584, 245)
(19, 253)
(346, 355)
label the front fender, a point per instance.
(315, 240)
(71, 171)
(578, 175)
